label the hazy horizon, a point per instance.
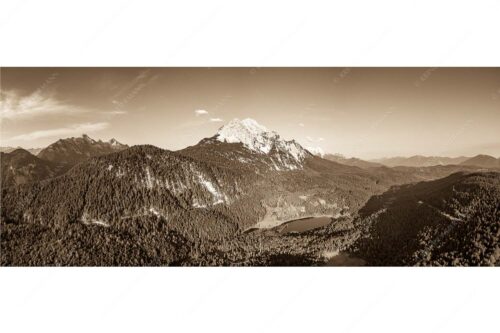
(357, 112)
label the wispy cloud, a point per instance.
(200, 112)
(75, 130)
(301, 124)
(216, 120)
(132, 88)
(14, 106)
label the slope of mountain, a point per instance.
(351, 161)
(420, 161)
(449, 221)
(484, 161)
(21, 167)
(72, 151)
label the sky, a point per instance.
(362, 112)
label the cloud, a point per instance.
(200, 112)
(301, 125)
(14, 106)
(133, 87)
(216, 120)
(75, 130)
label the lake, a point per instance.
(304, 224)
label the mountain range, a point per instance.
(20, 166)
(72, 151)
(353, 161)
(485, 161)
(416, 161)
(88, 202)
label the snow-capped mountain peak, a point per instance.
(258, 138)
(250, 133)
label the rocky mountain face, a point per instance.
(420, 161)
(259, 145)
(72, 151)
(484, 161)
(22, 167)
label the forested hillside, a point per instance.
(450, 221)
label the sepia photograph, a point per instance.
(266, 166)
(256, 166)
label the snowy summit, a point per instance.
(250, 133)
(258, 138)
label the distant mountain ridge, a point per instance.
(419, 161)
(353, 161)
(33, 151)
(485, 161)
(21, 167)
(72, 151)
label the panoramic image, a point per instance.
(250, 166)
